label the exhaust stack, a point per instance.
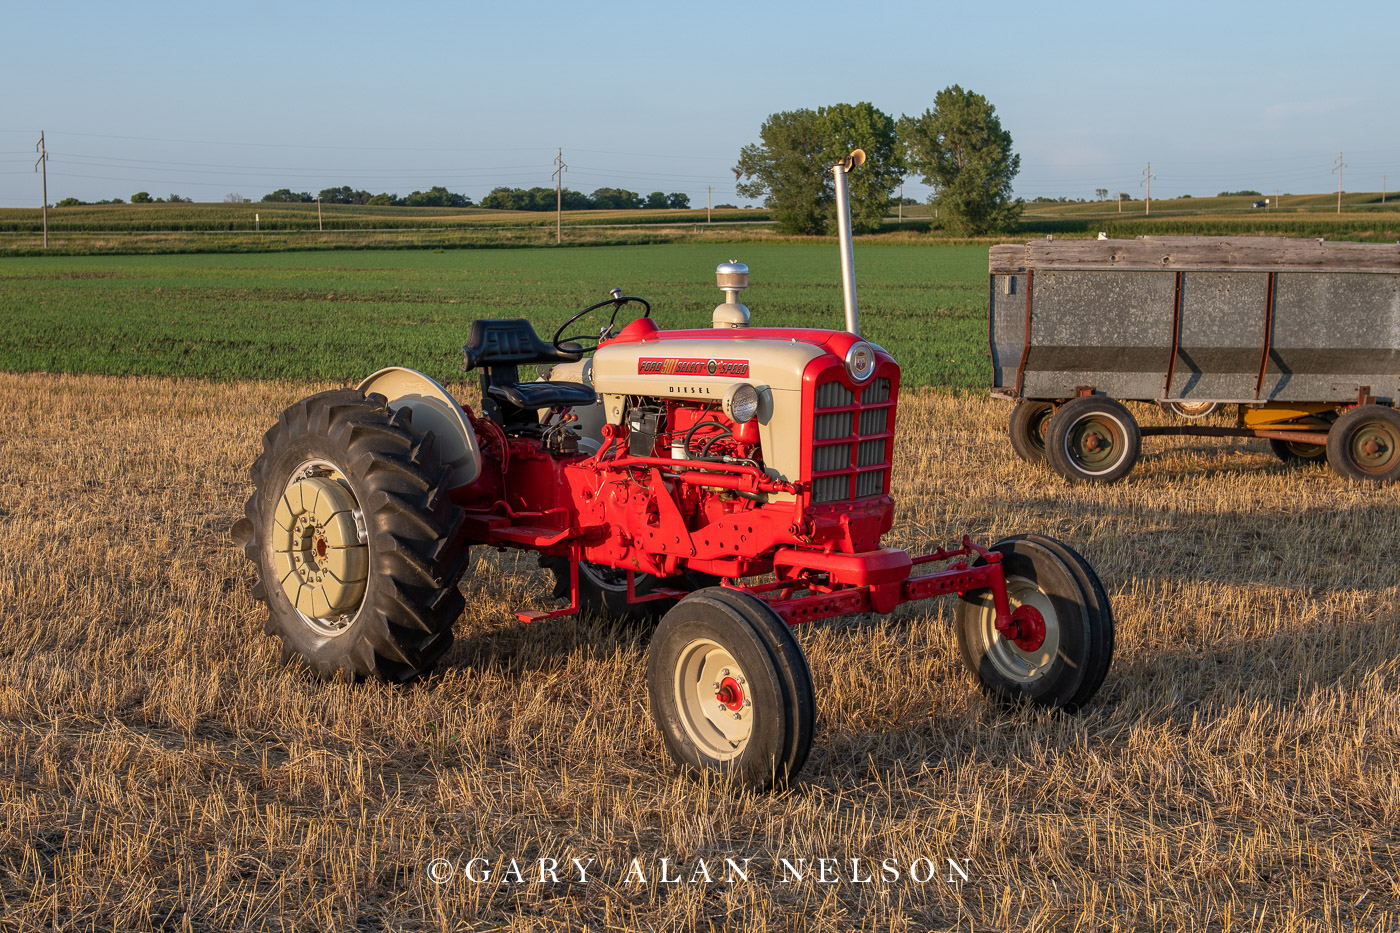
(843, 222)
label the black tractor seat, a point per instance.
(499, 349)
(509, 342)
(532, 396)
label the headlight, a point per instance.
(740, 402)
(860, 361)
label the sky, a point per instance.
(206, 100)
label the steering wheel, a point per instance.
(580, 343)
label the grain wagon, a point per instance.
(1300, 337)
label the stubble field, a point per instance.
(161, 769)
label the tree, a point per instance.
(791, 167)
(960, 148)
(1101, 194)
(234, 197)
(176, 199)
(437, 196)
(344, 195)
(141, 197)
(287, 195)
(615, 199)
(677, 201)
(655, 201)
(70, 202)
(384, 199)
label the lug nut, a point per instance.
(715, 686)
(724, 673)
(736, 715)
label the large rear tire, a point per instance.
(1069, 664)
(1092, 439)
(354, 539)
(730, 689)
(1364, 444)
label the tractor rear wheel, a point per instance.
(1028, 424)
(1063, 662)
(1364, 444)
(1295, 454)
(603, 590)
(354, 539)
(730, 689)
(1092, 439)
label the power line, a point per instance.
(559, 195)
(1147, 180)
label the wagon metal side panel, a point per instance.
(1007, 325)
(1334, 333)
(1109, 330)
(1224, 319)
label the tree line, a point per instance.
(958, 147)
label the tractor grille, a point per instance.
(852, 440)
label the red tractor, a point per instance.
(670, 473)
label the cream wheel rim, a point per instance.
(713, 698)
(1010, 660)
(319, 549)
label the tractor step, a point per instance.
(529, 535)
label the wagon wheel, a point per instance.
(1295, 453)
(1092, 439)
(354, 539)
(1191, 410)
(1028, 423)
(730, 689)
(1364, 444)
(1060, 662)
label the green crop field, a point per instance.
(342, 315)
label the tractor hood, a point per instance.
(701, 364)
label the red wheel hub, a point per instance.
(731, 694)
(1027, 628)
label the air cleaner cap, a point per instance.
(732, 275)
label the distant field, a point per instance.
(342, 315)
(252, 228)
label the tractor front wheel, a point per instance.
(1092, 439)
(1364, 444)
(730, 689)
(354, 539)
(1060, 662)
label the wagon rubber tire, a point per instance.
(1092, 439)
(1027, 429)
(1191, 411)
(1066, 670)
(391, 480)
(603, 590)
(1364, 444)
(1293, 453)
(757, 726)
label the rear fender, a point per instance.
(434, 409)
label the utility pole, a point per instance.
(1147, 180)
(901, 200)
(1276, 204)
(1120, 202)
(709, 199)
(1384, 179)
(42, 164)
(1338, 169)
(559, 196)
(319, 228)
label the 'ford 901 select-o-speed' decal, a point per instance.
(680, 366)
